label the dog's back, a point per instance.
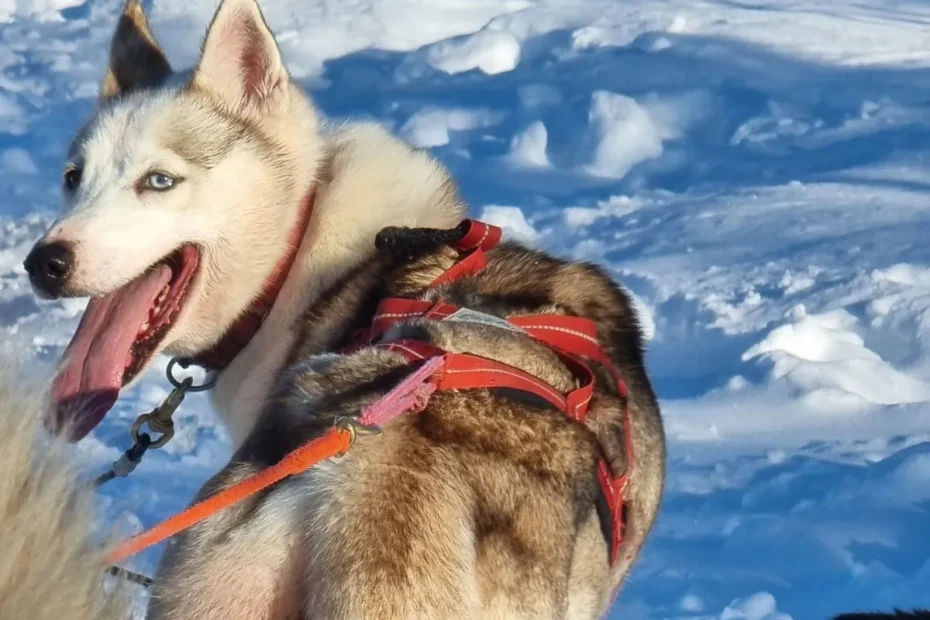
(483, 505)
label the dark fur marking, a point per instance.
(136, 60)
(208, 148)
(282, 429)
(500, 527)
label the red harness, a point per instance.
(573, 339)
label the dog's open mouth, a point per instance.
(117, 337)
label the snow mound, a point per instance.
(614, 207)
(759, 606)
(620, 134)
(432, 126)
(42, 10)
(623, 132)
(822, 355)
(490, 51)
(528, 148)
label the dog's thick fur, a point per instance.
(48, 568)
(483, 505)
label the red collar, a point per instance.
(250, 321)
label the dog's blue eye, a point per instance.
(159, 182)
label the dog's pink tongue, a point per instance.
(91, 374)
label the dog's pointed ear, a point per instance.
(241, 63)
(136, 59)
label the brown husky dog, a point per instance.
(196, 203)
(483, 505)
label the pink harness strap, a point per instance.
(410, 395)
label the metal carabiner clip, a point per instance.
(185, 363)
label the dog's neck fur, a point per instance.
(366, 181)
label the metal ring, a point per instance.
(186, 362)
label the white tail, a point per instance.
(49, 569)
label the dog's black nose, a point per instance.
(49, 266)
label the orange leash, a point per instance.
(335, 442)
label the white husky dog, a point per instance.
(186, 198)
(203, 208)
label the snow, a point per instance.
(431, 126)
(755, 172)
(42, 10)
(528, 148)
(620, 135)
(512, 221)
(17, 161)
(759, 606)
(491, 51)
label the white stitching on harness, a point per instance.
(487, 231)
(407, 349)
(581, 405)
(397, 315)
(564, 330)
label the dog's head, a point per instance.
(178, 197)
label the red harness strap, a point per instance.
(395, 310)
(463, 371)
(566, 333)
(478, 239)
(572, 338)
